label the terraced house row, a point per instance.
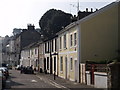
(95, 37)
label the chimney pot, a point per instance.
(96, 9)
(91, 9)
(86, 9)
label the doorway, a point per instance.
(75, 73)
(66, 68)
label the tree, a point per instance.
(53, 21)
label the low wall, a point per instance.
(88, 79)
(114, 76)
(100, 79)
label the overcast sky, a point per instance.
(19, 13)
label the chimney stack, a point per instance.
(31, 27)
(86, 9)
(91, 9)
(96, 9)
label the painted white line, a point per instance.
(40, 77)
(58, 85)
(33, 81)
(52, 83)
(8, 81)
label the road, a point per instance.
(17, 80)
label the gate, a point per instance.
(95, 68)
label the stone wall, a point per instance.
(114, 76)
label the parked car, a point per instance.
(28, 70)
(2, 80)
(4, 65)
(5, 71)
(9, 66)
(18, 67)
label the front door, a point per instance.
(55, 64)
(51, 65)
(75, 73)
(45, 64)
(66, 67)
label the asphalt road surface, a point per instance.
(18, 80)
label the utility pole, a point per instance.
(77, 6)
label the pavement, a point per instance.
(63, 83)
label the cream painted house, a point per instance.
(41, 56)
(34, 56)
(25, 54)
(68, 62)
(29, 56)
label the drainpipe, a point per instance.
(38, 60)
(78, 50)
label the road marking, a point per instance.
(58, 85)
(33, 81)
(8, 81)
(40, 78)
(52, 83)
(75, 83)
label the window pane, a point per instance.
(65, 41)
(61, 62)
(75, 38)
(71, 40)
(60, 43)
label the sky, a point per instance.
(19, 13)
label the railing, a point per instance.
(96, 67)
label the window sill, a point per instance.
(65, 48)
(61, 72)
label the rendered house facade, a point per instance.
(67, 41)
